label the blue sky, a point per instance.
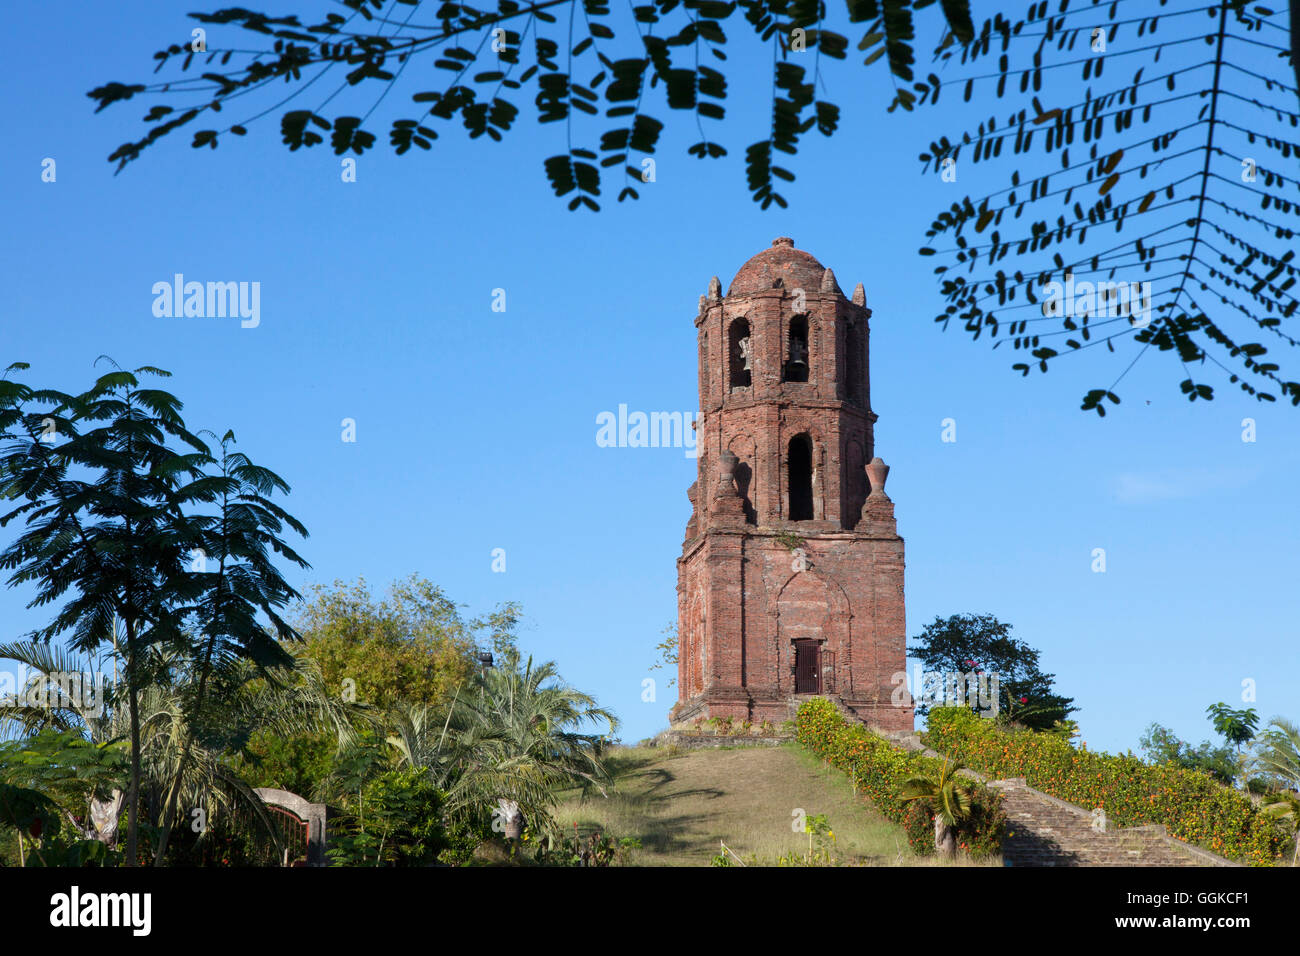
(476, 429)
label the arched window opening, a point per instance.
(855, 367)
(740, 352)
(796, 366)
(800, 464)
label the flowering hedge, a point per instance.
(1191, 805)
(879, 769)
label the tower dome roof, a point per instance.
(795, 268)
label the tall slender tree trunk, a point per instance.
(133, 706)
(945, 843)
(169, 814)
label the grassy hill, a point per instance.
(680, 804)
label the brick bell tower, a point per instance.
(790, 582)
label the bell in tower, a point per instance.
(796, 368)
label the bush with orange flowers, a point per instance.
(1192, 805)
(878, 770)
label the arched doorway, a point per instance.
(803, 617)
(799, 464)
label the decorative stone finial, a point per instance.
(859, 295)
(704, 305)
(878, 511)
(727, 474)
(715, 289)
(728, 506)
(877, 472)
(828, 281)
(783, 241)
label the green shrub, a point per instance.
(878, 769)
(395, 821)
(598, 849)
(1191, 804)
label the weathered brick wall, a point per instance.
(739, 636)
(743, 596)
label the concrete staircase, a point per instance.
(1045, 831)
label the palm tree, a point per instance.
(51, 701)
(1286, 807)
(188, 757)
(1277, 751)
(509, 744)
(950, 798)
(178, 754)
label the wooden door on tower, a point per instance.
(807, 667)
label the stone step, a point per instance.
(1045, 831)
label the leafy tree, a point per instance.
(1235, 726)
(412, 646)
(500, 625)
(1174, 133)
(116, 528)
(110, 545)
(669, 57)
(1123, 147)
(1161, 745)
(241, 536)
(297, 763)
(965, 643)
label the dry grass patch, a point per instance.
(680, 805)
